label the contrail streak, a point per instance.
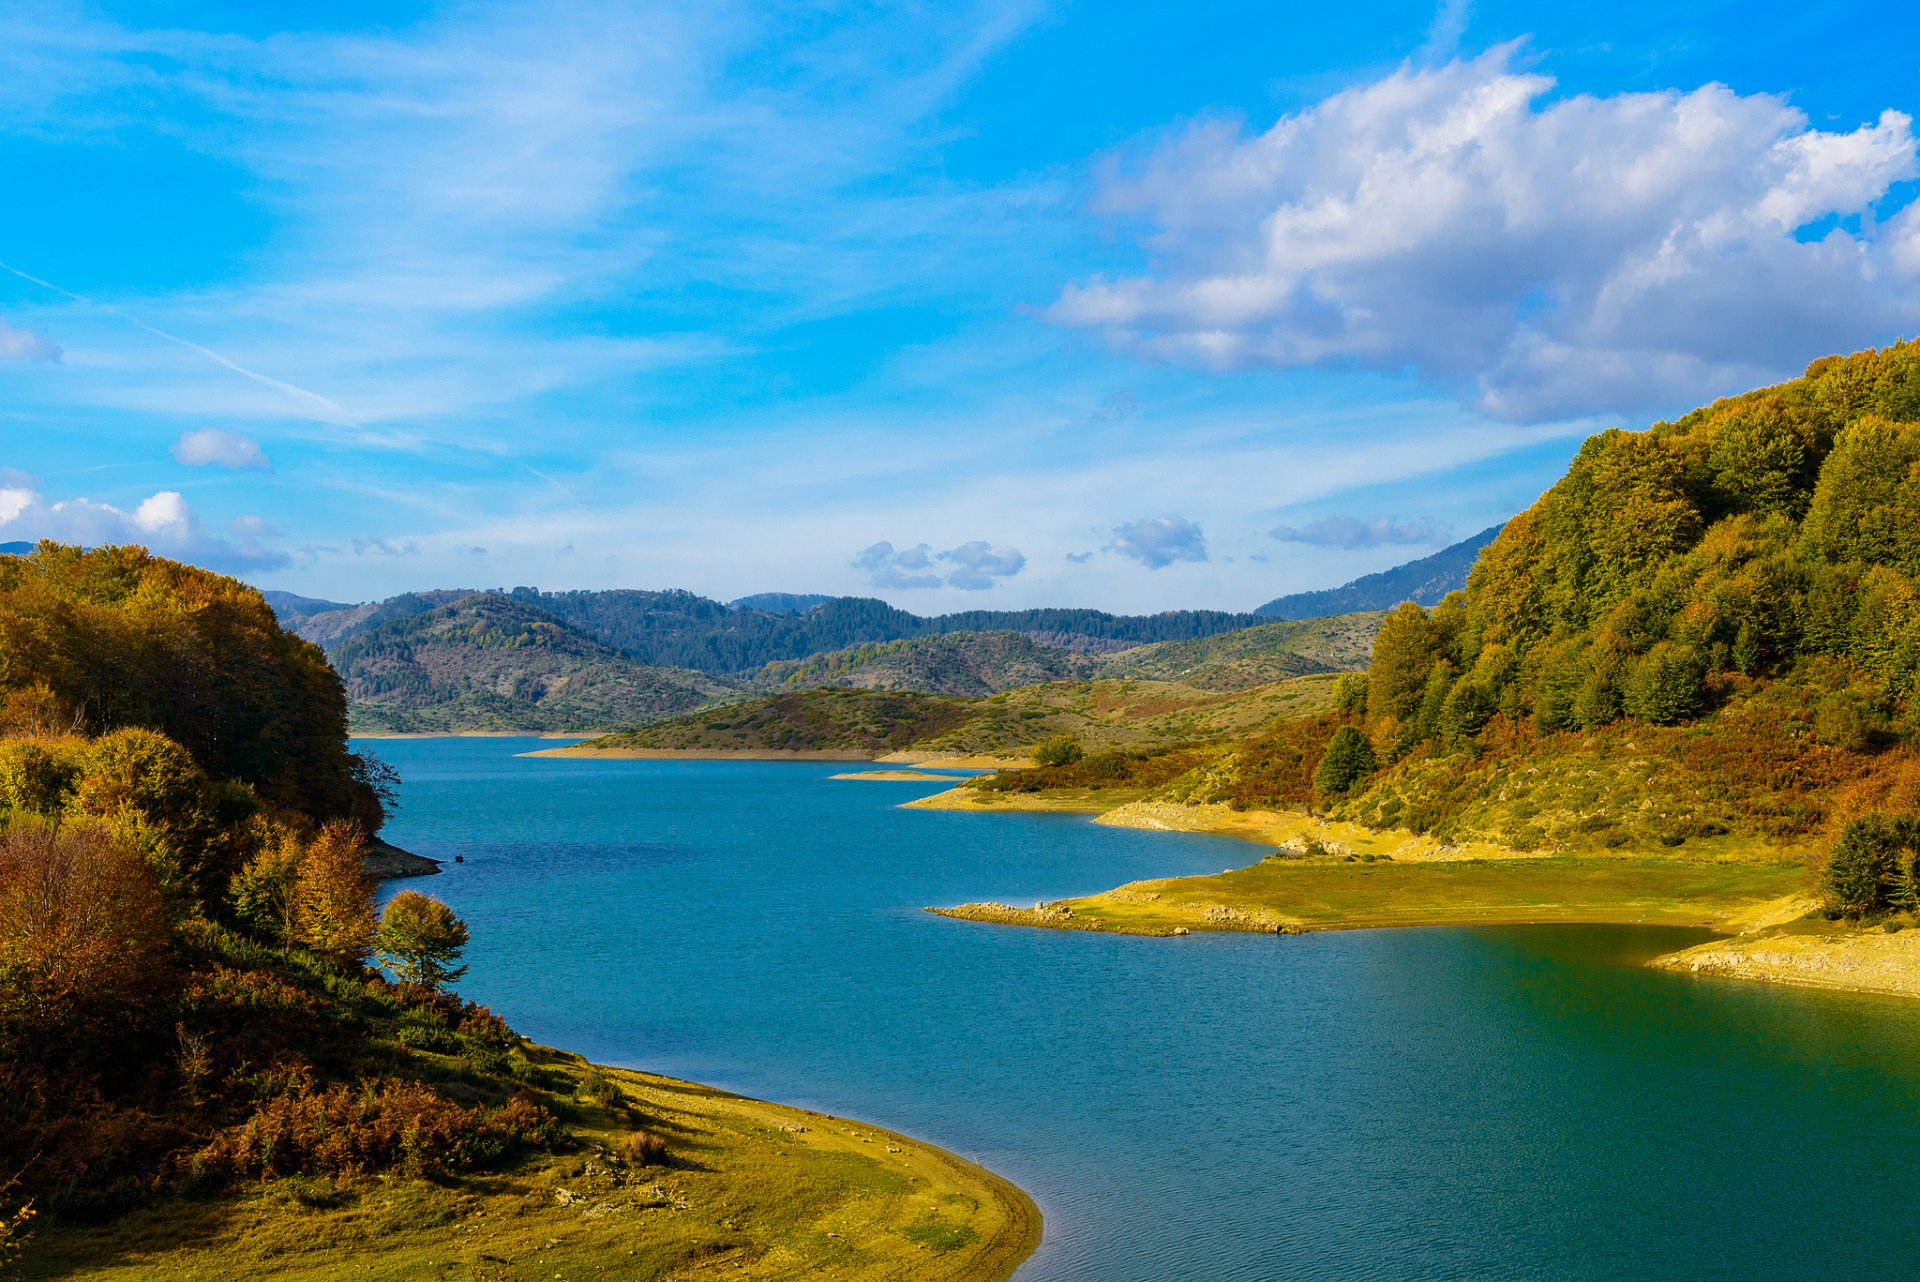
(333, 413)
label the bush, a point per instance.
(643, 1148)
(1058, 750)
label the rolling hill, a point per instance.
(487, 662)
(1424, 582)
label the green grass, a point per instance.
(1333, 894)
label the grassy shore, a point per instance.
(748, 1190)
(1289, 895)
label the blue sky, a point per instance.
(1139, 306)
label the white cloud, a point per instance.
(1549, 257)
(1158, 541)
(980, 563)
(1340, 531)
(213, 447)
(163, 523)
(26, 345)
(977, 565)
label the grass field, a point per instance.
(747, 1190)
(1332, 894)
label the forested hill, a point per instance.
(1424, 582)
(677, 629)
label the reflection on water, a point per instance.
(1480, 1103)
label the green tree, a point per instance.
(1348, 759)
(1403, 657)
(1665, 686)
(1864, 869)
(1350, 692)
(1058, 750)
(421, 939)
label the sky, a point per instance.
(991, 304)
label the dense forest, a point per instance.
(186, 997)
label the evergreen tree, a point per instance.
(1348, 759)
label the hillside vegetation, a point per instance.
(1099, 714)
(1255, 656)
(487, 662)
(958, 663)
(1707, 634)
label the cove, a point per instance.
(1521, 1102)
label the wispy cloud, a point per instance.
(1340, 531)
(26, 344)
(215, 447)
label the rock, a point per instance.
(385, 861)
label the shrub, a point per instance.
(378, 1124)
(1058, 750)
(642, 1148)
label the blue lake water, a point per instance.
(1490, 1103)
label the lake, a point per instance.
(1483, 1103)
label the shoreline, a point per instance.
(583, 750)
(757, 1190)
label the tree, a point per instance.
(1665, 686)
(1403, 657)
(421, 939)
(83, 936)
(1350, 692)
(332, 902)
(264, 892)
(1349, 759)
(1865, 866)
(1059, 750)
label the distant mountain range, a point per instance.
(1426, 581)
(522, 659)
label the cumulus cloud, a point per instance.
(26, 345)
(1158, 541)
(979, 563)
(1351, 532)
(164, 523)
(212, 447)
(1549, 257)
(976, 565)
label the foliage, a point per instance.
(1872, 863)
(1058, 750)
(420, 940)
(83, 938)
(114, 638)
(1347, 760)
(332, 900)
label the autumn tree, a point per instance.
(420, 940)
(83, 936)
(332, 900)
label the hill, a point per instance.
(959, 663)
(488, 662)
(1424, 582)
(1254, 656)
(780, 602)
(683, 630)
(1101, 715)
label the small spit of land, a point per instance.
(747, 1190)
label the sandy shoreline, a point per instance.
(699, 754)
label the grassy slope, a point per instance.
(751, 1190)
(1254, 656)
(1104, 714)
